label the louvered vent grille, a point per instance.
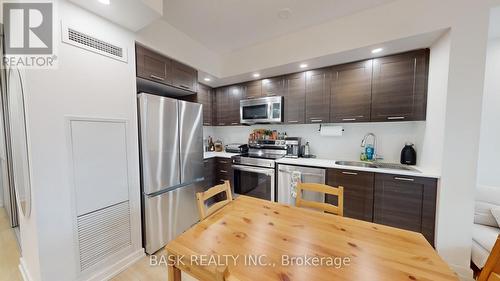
(103, 233)
(94, 43)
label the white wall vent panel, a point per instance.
(100, 163)
(103, 233)
(74, 37)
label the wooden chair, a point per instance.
(491, 270)
(326, 189)
(201, 197)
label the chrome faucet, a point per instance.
(374, 143)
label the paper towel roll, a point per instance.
(331, 131)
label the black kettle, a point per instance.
(408, 155)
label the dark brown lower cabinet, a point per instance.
(358, 192)
(406, 202)
(209, 173)
(224, 170)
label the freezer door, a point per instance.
(286, 186)
(159, 136)
(169, 214)
(191, 141)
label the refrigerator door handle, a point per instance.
(172, 188)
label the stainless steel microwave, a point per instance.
(261, 110)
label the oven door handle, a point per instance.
(303, 174)
(267, 172)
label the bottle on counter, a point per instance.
(369, 151)
(211, 145)
(307, 150)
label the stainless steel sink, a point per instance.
(396, 167)
(356, 164)
(377, 165)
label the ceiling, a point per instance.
(419, 41)
(131, 14)
(227, 25)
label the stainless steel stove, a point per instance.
(254, 173)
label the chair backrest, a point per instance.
(491, 270)
(322, 188)
(201, 197)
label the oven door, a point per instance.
(254, 181)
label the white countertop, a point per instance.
(208, 155)
(327, 163)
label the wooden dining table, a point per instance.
(252, 240)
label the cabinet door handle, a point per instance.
(316, 120)
(222, 124)
(157, 77)
(396, 118)
(403, 179)
(350, 173)
(235, 123)
(223, 162)
(293, 121)
(223, 171)
(206, 124)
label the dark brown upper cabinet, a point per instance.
(391, 88)
(156, 67)
(295, 98)
(274, 86)
(351, 92)
(184, 77)
(153, 66)
(399, 88)
(358, 192)
(406, 202)
(222, 107)
(318, 95)
(235, 94)
(205, 96)
(252, 89)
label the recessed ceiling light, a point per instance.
(105, 2)
(256, 75)
(303, 65)
(207, 79)
(377, 50)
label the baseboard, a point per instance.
(118, 267)
(465, 273)
(24, 270)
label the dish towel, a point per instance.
(296, 178)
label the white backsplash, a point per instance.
(391, 138)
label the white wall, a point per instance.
(488, 166)
(430, 142)
(88, 85)
(391, 138)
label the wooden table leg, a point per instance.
(174, 274)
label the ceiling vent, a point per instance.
(90, 43)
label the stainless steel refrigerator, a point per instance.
(171, 139)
